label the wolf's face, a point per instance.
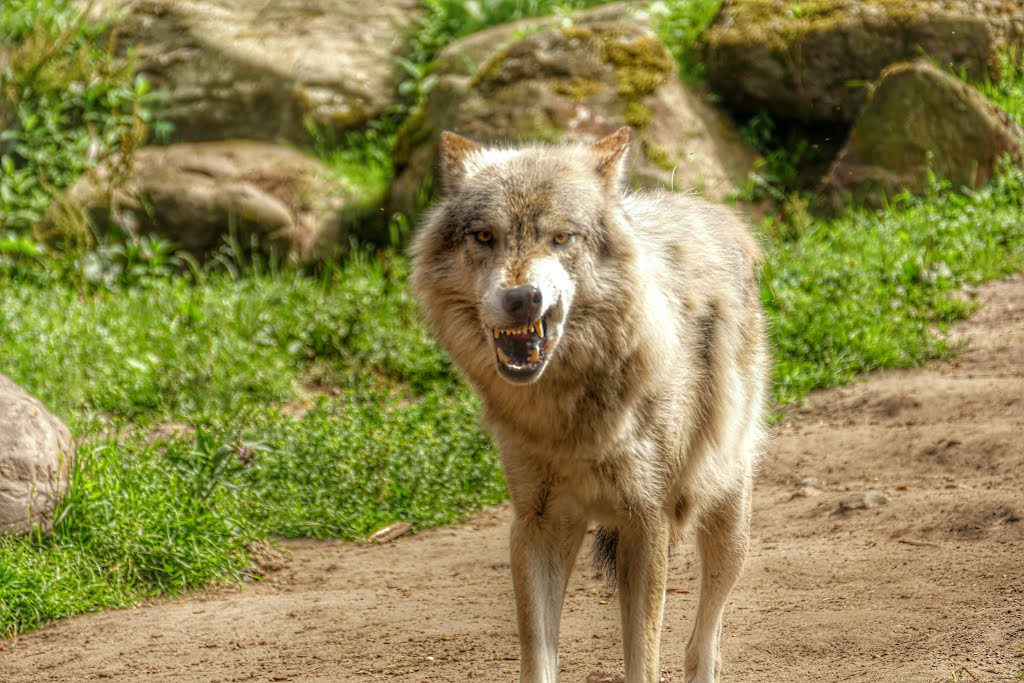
(523, 267)
(519, 228)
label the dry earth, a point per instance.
(928, 587)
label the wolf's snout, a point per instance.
(522, 304)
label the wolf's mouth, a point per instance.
(522, 351)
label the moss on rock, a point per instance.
(810, 59)
(579, 81)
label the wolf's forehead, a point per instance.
(530, 188)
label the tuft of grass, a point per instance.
(680, 24)
(1007, 91)
(448, 20)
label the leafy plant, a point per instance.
(70, 104)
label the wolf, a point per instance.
(617, 341)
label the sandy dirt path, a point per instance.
(927, 587)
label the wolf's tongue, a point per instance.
(519, 349)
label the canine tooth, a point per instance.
(539, 327)
(504, 357)
(497, 333)
(535, 355)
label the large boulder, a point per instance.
(580, 77)
(811, 60)
(919, 119)
(36, 454)
(198, 194)
(265, 70)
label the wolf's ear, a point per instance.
(611, 157)
(455, 149)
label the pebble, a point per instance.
(862, 501)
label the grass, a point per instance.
(228, 403)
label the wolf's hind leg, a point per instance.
(544, 547)
(723, 537)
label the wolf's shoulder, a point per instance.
(666, 220)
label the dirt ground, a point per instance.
(926, 587)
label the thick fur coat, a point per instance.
(618, 343)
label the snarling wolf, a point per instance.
(618, 343)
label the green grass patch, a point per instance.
(869, 289)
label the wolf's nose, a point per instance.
(522, 304)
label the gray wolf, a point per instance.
(618, 343)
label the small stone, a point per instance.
(391, 532)
(810, 481)
(862, 501)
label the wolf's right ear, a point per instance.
(611, 158)
(455, 150)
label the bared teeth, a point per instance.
(536, 328)
(535, 356)
(504, 357)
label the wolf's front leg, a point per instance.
(641, 567)
(722, 539)
(545, 541)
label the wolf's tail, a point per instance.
(604, 551)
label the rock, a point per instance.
(919, 118)
(198, 194)
(810, 60)
(581, 79)
(391, 532)
(36, 454)
(862, 501)
(601, 677)
(810, 482)
(263, 70)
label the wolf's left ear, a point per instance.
(455, 150)
(611, 157)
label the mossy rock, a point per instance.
(265, 70)
(811, 60)
(920, 121)
(580, 78)
(198, 195)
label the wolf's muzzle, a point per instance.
(523, 304)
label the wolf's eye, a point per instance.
(483, 236)
(561, 239)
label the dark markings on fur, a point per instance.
(705, 388)
(604, 550)
(604, 242)
(680, 509)
(542, 498)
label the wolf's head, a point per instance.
(514, 243)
